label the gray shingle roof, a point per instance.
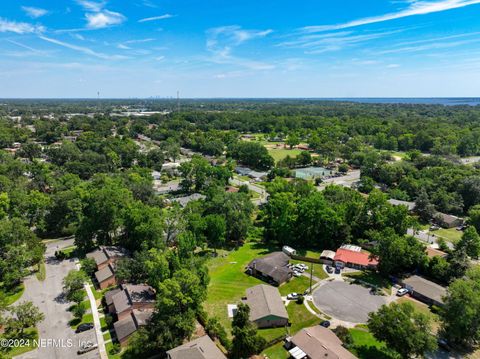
(426, 288)
(319, 343)
(104, 273)
(201, 348)
(109, 295)
(132, 293)
(265, 300)
(273, 265)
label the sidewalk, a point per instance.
(96, 322)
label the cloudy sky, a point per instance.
(219, 48)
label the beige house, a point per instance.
(317, 343)
(201, 348)
(266, 307)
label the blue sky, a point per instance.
(266, 48)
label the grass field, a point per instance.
(279, 154)
(365, 346)
(450, 234)
(296, 284)
(229, 281)
(12, 295)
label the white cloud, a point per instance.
(321, 43)
(82, 49)
(19, 27)
(392, 66)
(415, 7)
(139, 41)
(103, 19)
(155, 18)
(34, 12)
(91, 5)
(234, 35)
(221, 41)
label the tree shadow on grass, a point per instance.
(371, 352)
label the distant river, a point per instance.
(447, 101)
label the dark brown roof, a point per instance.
(273, 265)
(129, 325)
(109, 295)
(98, 256)
(104, 273)
(201, 348)
(265, 300)
(132, 293)
(319, 343)
(102, 254)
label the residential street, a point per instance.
(47, 295)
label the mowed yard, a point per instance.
(228, 282)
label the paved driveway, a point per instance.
(47, 295)
(347, 302)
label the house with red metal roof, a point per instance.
(354, 257)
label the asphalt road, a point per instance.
(47, 295)
(347, 302)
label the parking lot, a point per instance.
(347, 302)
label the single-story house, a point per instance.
(327, 257)
(132, 296)
(424, 290)
(201, 348)
(126, 327)
(317, 343)
(106, 255)
(354, 257)
(273, 268)
(266, 306)
(106, 276)
(183, 201)
(434, 252)
(396, 202)
(448, 220)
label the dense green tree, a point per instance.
(215, 230)
(403, 329)
(246, 342)
(470, 241)
(251, 154)
(462, 310)
(25, 315)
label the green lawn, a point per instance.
(228, 280)
(450, 234)
(365, 346)
(276, 351)
(279, 154)
(300, 318)
(12, 295)
(372, 278)
(31, 334)
(87, 318)
(296, 284)
(109, 347)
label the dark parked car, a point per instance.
(443, 343)
(329, 269)
(84, 327)
(325, 323)
(337, 270)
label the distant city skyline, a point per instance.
(247, 49)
